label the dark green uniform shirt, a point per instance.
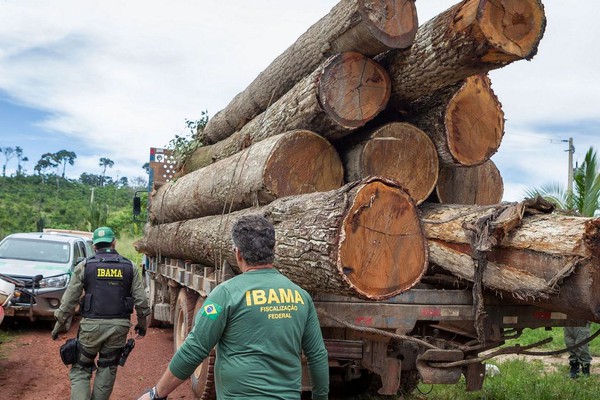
(260, 322)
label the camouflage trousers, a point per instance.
(574, 335)
(106, 341)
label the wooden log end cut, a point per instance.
(383, 251)
(479, 185)
(393, 23)
(302, 162)
(404, 153)
(474, 122)
(353, 89)
(513, 27)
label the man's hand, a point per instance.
(58, 328)
(140, 328)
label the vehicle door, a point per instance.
(79, 253)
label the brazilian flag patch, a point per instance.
(211, 310)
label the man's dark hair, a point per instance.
(254, 237)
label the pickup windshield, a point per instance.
(35, 250)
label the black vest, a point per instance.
(107, 283)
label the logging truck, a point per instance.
(439, 329)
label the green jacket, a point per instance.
(260, 322)
(70, 299)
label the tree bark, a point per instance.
(321, 239)
(465, 121)
(480, 185)
(528, 256)
(347, 91)
(369, 27)
(397, 151)
(287, 164)
(470, 38)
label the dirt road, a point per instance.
(31, 369)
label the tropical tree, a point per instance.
(585, 196)
(20, 159)
(9, 153)
(63, 157)
(105, 163)
(45, 162)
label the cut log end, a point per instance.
(480, 185)
(404, 153)
(393, 23)
(384, 220)
(474, 122)
(514, 27)
(303, 163)
(353, 89)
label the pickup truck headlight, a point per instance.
(58, 281)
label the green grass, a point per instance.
(126, 249)
(518, 379)
(531, 336)
(526, 379)
(5, 337)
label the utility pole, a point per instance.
(570, 176)
(571, 151)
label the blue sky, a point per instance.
(113, 79)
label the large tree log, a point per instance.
(470, 38)
(344, 93)
(369, 27)
(287, 164)
(480, 185)
(465, 121)
(546, 252)
(322, 239)
(397, 151)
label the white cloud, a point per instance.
(121, 76)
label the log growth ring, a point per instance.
(394, 23)
(513, 26)
(353, 89)
(474, 122)
(383, 251)
(302, 162)
(404, 153)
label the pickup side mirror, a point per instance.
(137, 205)
(79, 259)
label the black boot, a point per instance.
(574, 372)
(585, 369)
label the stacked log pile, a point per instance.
(368, 145)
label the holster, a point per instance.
(126, 350)
(69, 351)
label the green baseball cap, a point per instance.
(103, 234)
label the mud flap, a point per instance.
(390, 380)
(437, 375)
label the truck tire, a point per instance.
(203, 378)
(184, 316)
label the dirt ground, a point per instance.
(30, 366)
(31, 369)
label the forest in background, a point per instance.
(32, 203)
